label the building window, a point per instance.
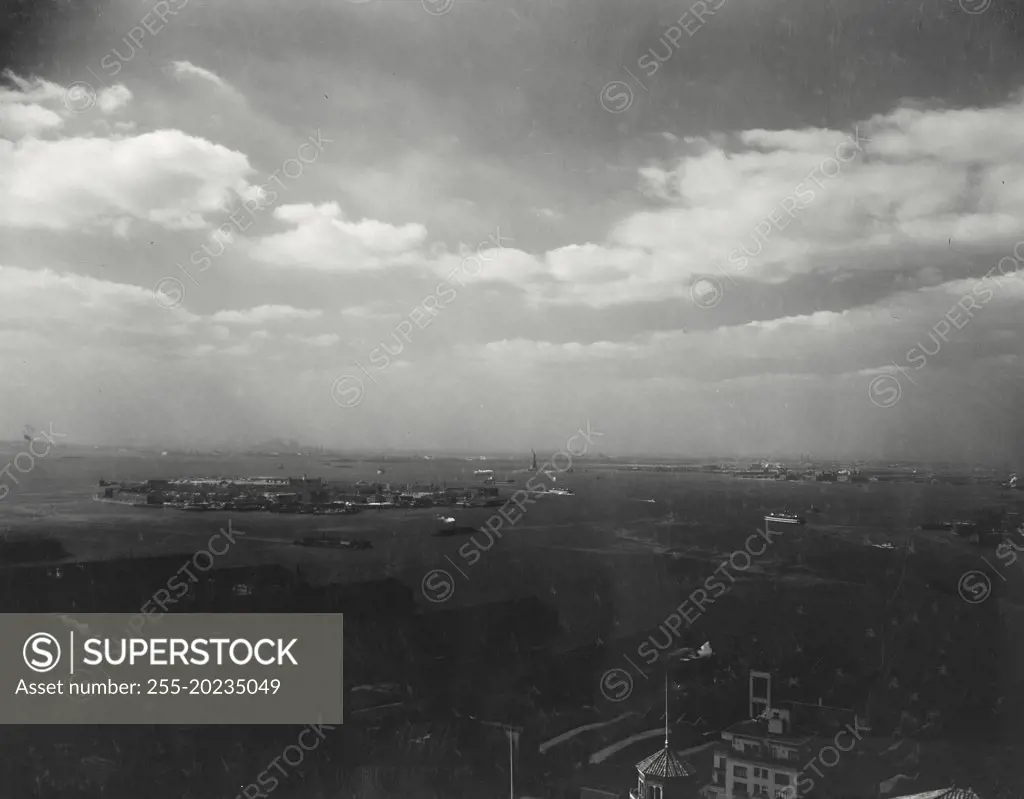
(739, 771)
(653, 792)
(781, 778)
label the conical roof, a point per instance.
(943, 793)
(666, 765)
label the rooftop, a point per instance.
(757, 728)
(665, 764)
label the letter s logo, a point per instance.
(41, 652)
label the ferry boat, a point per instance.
(562, 492)
(784, 517)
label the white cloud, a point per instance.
(777, 204)
(65, 306)
(36, 106)
(323, 340)
(23, 110)
(20, 119)
(265, 313)
(113, 98)
(824, 343)
(525, 350)
(188, 69)
(165, 177)
(322, 239)
(374, 310)
(33, 90)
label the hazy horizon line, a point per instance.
(476, 455)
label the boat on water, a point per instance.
(334, 543)
(784, 517)
(686, 654)
(562, 492)
(128, 503)
(965, 528)
(197, 507)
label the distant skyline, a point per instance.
(640, 457)
(772, 229)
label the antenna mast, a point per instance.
(666, 707)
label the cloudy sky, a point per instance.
(740, 227)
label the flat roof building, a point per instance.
(767, 754)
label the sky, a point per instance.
(719, 228)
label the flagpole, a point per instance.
(511, 776)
